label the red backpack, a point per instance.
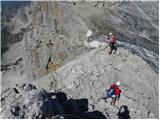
(116, 89)
(113, 39)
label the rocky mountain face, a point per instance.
(51, 74)
(86, 78)
(9, 10)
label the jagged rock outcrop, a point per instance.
(27, 101)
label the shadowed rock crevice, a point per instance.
(35, 103)
(123, 112)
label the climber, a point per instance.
(113, 92)
(112, 42)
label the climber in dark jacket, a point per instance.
(113, 92)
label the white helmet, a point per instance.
(110, 33)
(118, 83)
(89, 33)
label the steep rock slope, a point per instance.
(56, 31)
(90, 74)
(138, 19)
(87, 77)
(52, 56)
(50, 43)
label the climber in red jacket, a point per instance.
(116, 95)
(112, 42)
(113, 92)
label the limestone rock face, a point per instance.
(57, 31)
(90, 74)
(51, 73)
(86, 79)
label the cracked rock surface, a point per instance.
(87, 77)
(90, 74)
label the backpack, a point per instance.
(110, 92)
(113, 40)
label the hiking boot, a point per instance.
(114, 52)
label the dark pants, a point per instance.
(112, 47)
(113, 101)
